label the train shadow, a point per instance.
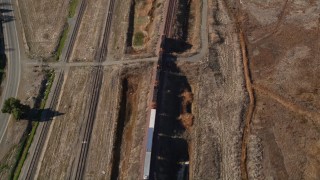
(7, 18)
(170, 148)
(176, 45)
(5, 4)
(2, 10)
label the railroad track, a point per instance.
(97, 75)
(169, 18)
(44, 131)
(97, 78)
(75, 30)
(106, 34)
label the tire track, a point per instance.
(276, 28)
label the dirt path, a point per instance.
(250, 110)
(313, 115)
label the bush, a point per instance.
(138, 39)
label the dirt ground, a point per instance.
(91, 31)
(219, 102)
(29, 90)
(120, 123)
(283, 47)
(147, 20)
(43, 22)
(59, 153)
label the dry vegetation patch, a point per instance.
(137, 34)
(43, 22)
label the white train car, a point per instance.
(147, 159)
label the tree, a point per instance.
(17, 113)
(13, 106)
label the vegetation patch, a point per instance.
(72, 8)
(62, 41)
(138, 39)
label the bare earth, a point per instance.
(283, 41)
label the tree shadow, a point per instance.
(7, 18)
(5, 10)
(5, 4)
(42, 115)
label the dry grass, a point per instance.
(43, 22)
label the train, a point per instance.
(147, 160)
(153, 112)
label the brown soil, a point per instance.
(283, 49)
(43, 22)
(91, 31)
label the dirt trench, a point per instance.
(125, 128)
(187, 24)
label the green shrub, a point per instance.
(138, 39)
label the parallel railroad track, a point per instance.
(93, 102)
(44, 131)
(75, 30)
(97, 75)
(169, 18)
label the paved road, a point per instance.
(10, 88)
